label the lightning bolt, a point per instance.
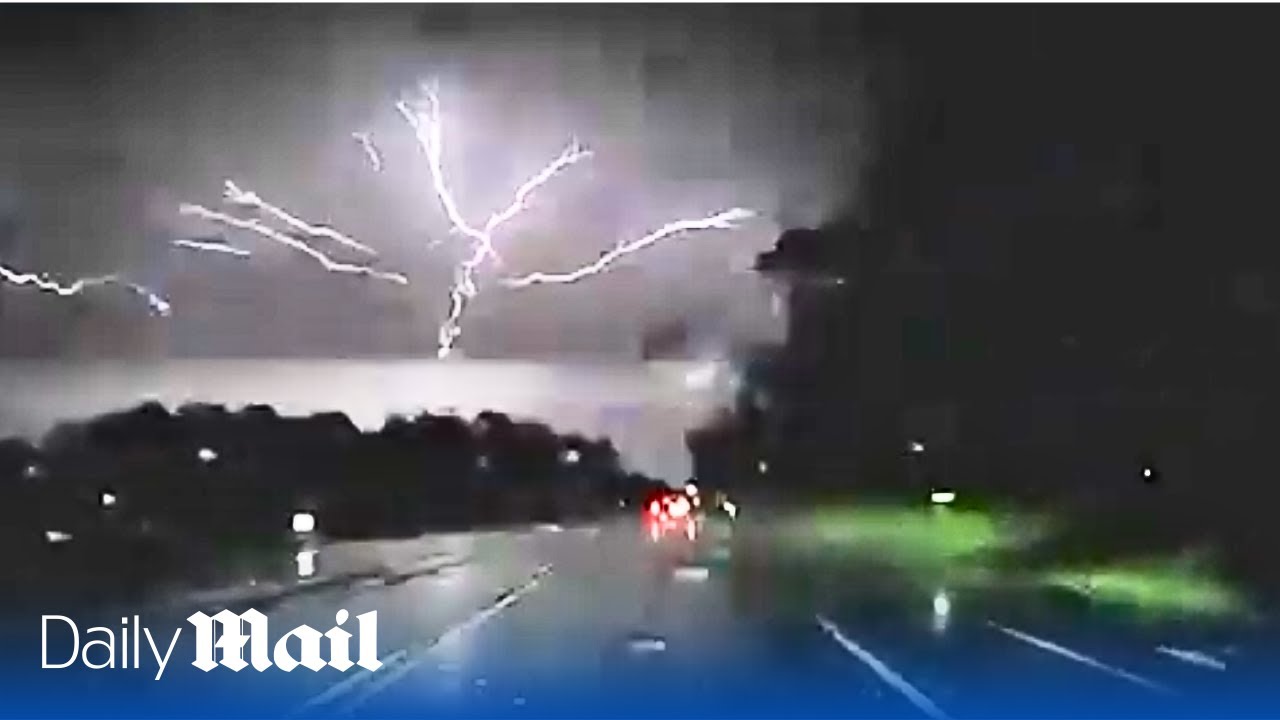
(371, 152)
(235, 195)
(425, 121)
(720, 221)
(42, 282)
(157, 304)
(572, 154)
(265, 231)
(208, 246)
(423, 116)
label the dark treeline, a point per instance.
(1058, 286)
(130, 497)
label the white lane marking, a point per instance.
(647, 645)
(347, 684)
(886, 673)
(1194, 657)
(1080, 658)
(692, 573)
(388, 676)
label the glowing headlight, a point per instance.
(679, 507)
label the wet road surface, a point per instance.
(603, 621)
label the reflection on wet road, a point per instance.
(623, 622)
(604, 621)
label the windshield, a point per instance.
(490, 361)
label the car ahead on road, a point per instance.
(672, 513)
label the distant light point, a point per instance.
(303, 522)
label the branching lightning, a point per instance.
(573, 153)
(158, 304)
(371, 151)
(210, 246)
(720, 221)
(265, 231)
(42, 282)
(427, 127)
(235, 195)
(423, 116)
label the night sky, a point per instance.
(1052, 149)
(112, 117)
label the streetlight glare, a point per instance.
(942, 497)
(304, 522)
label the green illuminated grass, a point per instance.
(960, 547)
(923, 545)
(931, 534)
(1153, 587)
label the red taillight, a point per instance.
(655, 508)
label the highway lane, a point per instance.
(419, 588)
(624, 627)
(601, 621)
